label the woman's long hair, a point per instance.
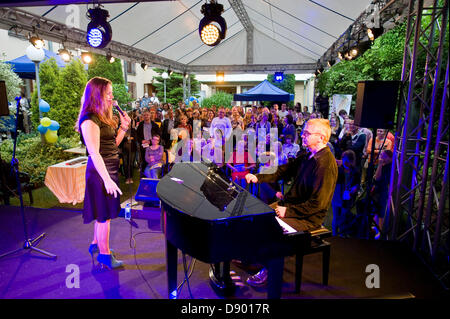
(93, 101)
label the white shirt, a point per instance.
(223, 124)
(282, 114)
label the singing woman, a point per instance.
(102, 193)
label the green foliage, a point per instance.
(287, 85)
(122, 96)
(34, 156)
(48, 78)
(219, 99)
(12, 81)
(101, 67)
(62, 88)
(174, 87)
(67, 97)
(383, 61)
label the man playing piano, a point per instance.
(315, 172)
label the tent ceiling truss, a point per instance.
(242, 14)
(23, 22)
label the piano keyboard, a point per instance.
(287, 229)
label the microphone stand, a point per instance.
(29, 243)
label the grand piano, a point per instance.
(215, 221)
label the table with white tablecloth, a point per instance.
(66, 180)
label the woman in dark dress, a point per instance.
(102, 193)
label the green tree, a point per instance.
(48, 79)
(219, 99)
(383, 61)
(13, 83)
(101, 67)
(174, 87)
(67, 97)
(120, 93)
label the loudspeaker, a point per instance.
(4, 110)
(376, 103)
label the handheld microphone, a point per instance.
(118, 108)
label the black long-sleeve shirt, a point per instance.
(309, 198)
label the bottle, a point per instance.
(128, 211)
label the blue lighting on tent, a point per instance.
(95, 37)
(279, 76)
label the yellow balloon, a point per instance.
(45, 121)
(51, 136)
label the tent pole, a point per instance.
(36, 65)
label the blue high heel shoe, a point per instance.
(93, 249)
(108, 261)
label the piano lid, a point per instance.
(203, 192)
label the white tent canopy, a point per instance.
(284, 31)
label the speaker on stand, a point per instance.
(376, 105)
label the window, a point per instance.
(131, 68)
(132, 90)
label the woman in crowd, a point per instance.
(183, 124)
(153, 157)
(289, 127)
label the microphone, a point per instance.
(118, 108)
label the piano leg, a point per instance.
(275, 269)
(172, 263)
(220, 279)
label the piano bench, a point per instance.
(318, 244)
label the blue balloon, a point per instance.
(42, 129)
(191, 98)
(44, 106)
(54, 126)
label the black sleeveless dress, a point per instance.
(98, 204)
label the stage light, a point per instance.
(86, 57)
(186, 75)
(341, 55)
(220, 76)
(169, 72)
(65, 54)
(354, 52)
(374, 33)
(320, 69)
(279, 76)
(212, 28)
(110, 58)
(331, 62)
(36, 41)
(144, 66)
(99, 31)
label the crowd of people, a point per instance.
(255, 139)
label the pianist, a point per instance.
(306, 203)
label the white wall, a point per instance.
(141, 78)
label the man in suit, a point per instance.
(167, 125)
(306, 204)
(144, 133)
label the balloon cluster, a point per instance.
(191, 101)
(48, 127)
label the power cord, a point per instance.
(187, 275)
